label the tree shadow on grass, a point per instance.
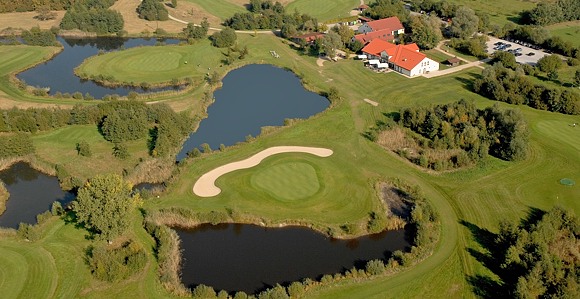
(467, 83)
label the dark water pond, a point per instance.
(252, 97)
(58, 73)
(235, 257)
(31, 193)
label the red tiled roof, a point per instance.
(310, 36)
(407, 57)
(376, 46)
(391, 23)
(385, 35)
(404, 56)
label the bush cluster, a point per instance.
(15, 145)
(117, 263)
(504, 85)
(93, 16)
(264, 14)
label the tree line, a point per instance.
(454, 135)
(502, 84)
(31, 5)
(546, 13)
(152, 10)
(267, 15)
(536, 258)
(93, 16)
(118, 122)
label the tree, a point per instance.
(152, 10)
(425, 31)
(120, 151)
(465, 22)
(225, 38)
(196, 32)
(174, 3)
(549, 63)
(507, 59)
(104, 205)
(330, 43)
(355, 45)
(84, 149)
(344, 32)
(577, 78)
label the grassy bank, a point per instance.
(323, 10)
(568, 31)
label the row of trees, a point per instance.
(152, 10)
(460, 125)
(118, 121)
(502, 84)
(93, 16)
(37, 37)
(266, 15)
(14, 145)
(31, 5)
(546, 13)
(534, 259)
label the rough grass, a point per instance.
(323, 10)
(59, 147)
(291, 180)
(500, 11)
(221, 9)
(568, 31)
(26, 20)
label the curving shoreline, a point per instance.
(205, 185)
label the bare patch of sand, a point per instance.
(371, 102)
(205, 185)
(134, 25)
(26, 20)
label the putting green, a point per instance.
(155, 62)
(287, 181)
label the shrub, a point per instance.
(375, 267)
(115, 264)
(84, 149)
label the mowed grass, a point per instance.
(568, 31)
(59, 147)
(323, 10)
(291, 180)
(222, 9)
(154, 64)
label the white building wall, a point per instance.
(426, 65)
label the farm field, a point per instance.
(481, 196)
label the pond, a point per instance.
(31, 193)
(252, 97)
(58, 73)
(249, 258)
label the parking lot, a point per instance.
(525, 52)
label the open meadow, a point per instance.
(568, 31)
(480, 196)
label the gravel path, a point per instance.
(205, 185)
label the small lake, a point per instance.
(31, 193)
(249, 258)
(58, 73)
(252, 97)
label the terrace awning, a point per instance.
(374, 61)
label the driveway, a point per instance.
(525, 58)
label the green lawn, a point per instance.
(222, 9)
(568, 31)
(500, 11)
(481, 196)
(323, 10)
(59, 147)
(289, 180)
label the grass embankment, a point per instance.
(14, 59)
(568, 31)
(481, 196)
(323, 10)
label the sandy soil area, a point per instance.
(134, 25)
(26, 20)
(205, 185)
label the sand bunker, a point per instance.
(205, 185)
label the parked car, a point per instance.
(531, 54)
